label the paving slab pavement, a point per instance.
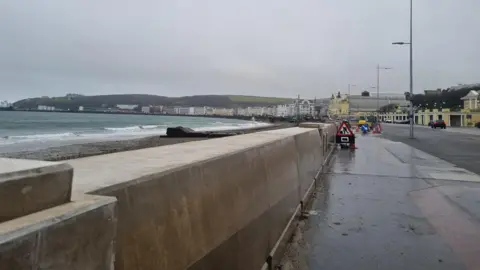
(389, 206)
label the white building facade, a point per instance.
(182, 110)
(129, 107)
(198, 110)
(285, 110)
(146, 109)
(45, 108)
(223, 111)
(304, 107)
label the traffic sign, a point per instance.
(344, 130)
(345, 136)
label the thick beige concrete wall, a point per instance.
(310, 155)
(76, 235)
(331, 130)
(328, 130)
(215, 204)
(41, 228)
(327, 133)
(28, 186)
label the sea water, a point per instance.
(21, 131)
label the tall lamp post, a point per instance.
(411, 67)
(349, 86)
(378, 84)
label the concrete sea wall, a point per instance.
(214, 204)
(42, 228)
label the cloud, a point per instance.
(280, 48)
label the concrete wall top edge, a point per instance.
(25, 225)
(11, 169)
(311, 124)
(11, 164)
(287, 131)
(99, 172)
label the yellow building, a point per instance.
(467, 117)
(338, 105)
(424, 117)
(464, 118)
(471, 108)
(471, 101)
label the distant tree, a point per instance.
(339, 95)
(388, 108)
(365, 94)
(73, 95)
(138, 108)
(448, 98)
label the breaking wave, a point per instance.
(120, 132)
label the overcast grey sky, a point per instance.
(253, 47)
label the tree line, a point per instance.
(445, 98)
(442, 98)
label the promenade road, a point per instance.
(390, 206)
(459, 146)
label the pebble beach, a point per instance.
(81, 150)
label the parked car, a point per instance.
(439, 124)
(402, 121)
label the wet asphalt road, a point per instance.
(389, 206)
(460, 149)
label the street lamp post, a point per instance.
(411, 67)
(378, 84)
(349, 86)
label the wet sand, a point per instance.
(99, 148)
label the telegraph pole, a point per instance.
(298, 110)
(348, 98)
(378, 84)
(412, 118)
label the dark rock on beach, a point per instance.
(184, 132)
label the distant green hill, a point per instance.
(73, 102)
(255, 99)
